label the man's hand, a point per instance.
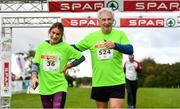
(109, 44)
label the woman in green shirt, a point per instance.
(49, 66)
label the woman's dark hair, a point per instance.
(59, 26)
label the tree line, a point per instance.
(159, 75)
(152, 75)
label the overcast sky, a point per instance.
(162, 44)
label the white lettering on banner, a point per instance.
(153, 5)
(64, 6)
(84, 22)
(87, 7)
(67, 6)
(75, 6)
(145, 22)
(80, 22)
(80, 7)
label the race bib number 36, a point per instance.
(51, 63)
(105, 54)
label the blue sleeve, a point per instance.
(35, 68)
(73, 45)
(77, 61)
(127, 49)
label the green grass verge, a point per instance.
(80, 98)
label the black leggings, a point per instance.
(131, 87)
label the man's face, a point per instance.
(131, 57)
(106, 22)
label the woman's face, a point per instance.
(55, 35)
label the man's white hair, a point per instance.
(107, 10)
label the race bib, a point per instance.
(105, 54)
(51, 63)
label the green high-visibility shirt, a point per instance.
(107, 64)
(52, 60)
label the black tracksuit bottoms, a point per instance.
(131, 87)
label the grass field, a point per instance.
(80, 98)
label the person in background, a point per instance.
(131, 69)
(49, 67)
(107, 47)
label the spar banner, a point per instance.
(123, 22)
(84, 22)
(83, 5)
(151, 5)
(115, 5)
(6, 79)
(148, 22)
(80, 22)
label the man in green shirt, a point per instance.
(107, 47)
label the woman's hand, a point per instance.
(34, 82)
(68, 66)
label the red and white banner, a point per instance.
(80, 22)
(6, 74)
(75, 6)
(151, 5)
(6, 79)
(142, 22)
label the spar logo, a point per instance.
(114, 5)
(170, 22)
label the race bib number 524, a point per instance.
(105, 54)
